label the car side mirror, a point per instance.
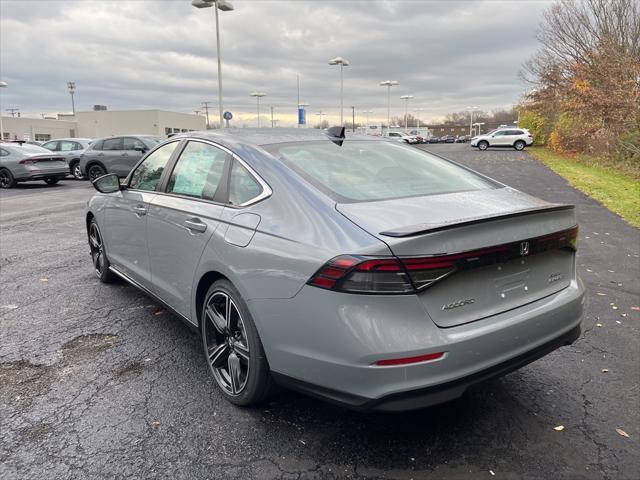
(140, 149)
(109, 183)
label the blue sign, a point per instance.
(227, 115)
(302, 117)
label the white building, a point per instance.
(101, 123)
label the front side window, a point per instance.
(66, 146)
(198, 171)
(148, 173)
(131, 143)
(112, 144)
(243, 187)
(360, 171)
(3, 153)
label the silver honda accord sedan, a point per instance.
(361, 271)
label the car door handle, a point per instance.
(125, 154)
(101, 155)
(140, 210)
(195, 225)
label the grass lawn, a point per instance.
(616, 189)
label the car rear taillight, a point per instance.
(27, 161)
(386, 275)
(407, 275)
(392, 362)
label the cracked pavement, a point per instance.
(98, 381)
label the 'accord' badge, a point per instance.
(459, 303)
(524, 248)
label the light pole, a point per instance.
(389, 84)
(320, 113)
(343, 63)
(471, 109)
(353, 118)
(272, 116)
(418, 110)
(406, 99)
(225, 6)
(366, 115)
(258, 95)
(72, 90)
(205, 105)
(2, 85)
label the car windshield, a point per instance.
(360, 171)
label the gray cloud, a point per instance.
(161, 53)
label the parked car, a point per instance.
(70, 149)
(400, 137)
(22, 162)
(462, 139)
(355, 269)
(447, 139)
(115, 154)
(434, 139)
(517, 138)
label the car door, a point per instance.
(68, 149)
(182, 219)
(109, 154)
(499, 138)
(125, 217)
(131, 151)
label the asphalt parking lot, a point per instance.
(98, 381)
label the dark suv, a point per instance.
(115, 154)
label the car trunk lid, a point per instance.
(500, 241)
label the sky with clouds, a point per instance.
(141, 54)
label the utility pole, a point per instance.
(272, 124)
(353, 118)
(72, 90)
(14, 111)
(205, 105)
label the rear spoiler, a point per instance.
(425, 228)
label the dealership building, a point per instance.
(101, 123)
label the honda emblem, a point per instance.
(524, 248)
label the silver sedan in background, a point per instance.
(358, 270)
(70, 149)
(22, 162)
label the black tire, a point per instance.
(236, 343)
(483, 145)
(519, 145)
(6, 179)
(99, 254)
(75, 170)
(51, 180)
(96, 171)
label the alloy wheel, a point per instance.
(97, 249)
(95, 172)
(5, 180)
(76, 171)
(226, 343)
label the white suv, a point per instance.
(401, 137)
(517, 138)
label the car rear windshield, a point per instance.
(361, 171)
(31, 149)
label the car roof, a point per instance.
(267, 136)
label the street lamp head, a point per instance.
(406, 97)
(3, 84)
(224, 5)
(258, 94)
(71, 86)
(389, 83)
(339, 61)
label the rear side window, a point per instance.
(198, 171)
(112, 144)
(51, 146)
(3, 153)
(243, 187)
(147, 175)
(361, 171)
(66, 146)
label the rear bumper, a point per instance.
(428, 396)
(42, 175)
(327, 344)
